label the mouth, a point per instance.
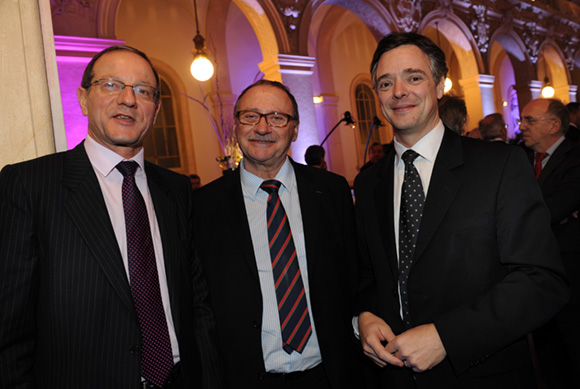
(402, 108)
(260, 140)
(124, 117)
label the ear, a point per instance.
(556, 127)
(295, 132)
(440, 87)
(82, 96)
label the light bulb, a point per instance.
(448, 85)
(201, 68)
(548, 92)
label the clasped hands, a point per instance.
(418, 348)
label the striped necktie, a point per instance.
(292, 304)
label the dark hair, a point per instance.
(275, 84)
(430, 49)
(453, 112)
(193, 177)
(314, 155)
(573, 108)
(492, 126)
(559, 110)
(89, 74)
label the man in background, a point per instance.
(314, 156)
(492, 128)
(99, 284)
(376, 152)
(556, 162)
(574, 129)
(195, 181)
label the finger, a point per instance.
(375, 359)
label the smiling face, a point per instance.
(119, 122)
(408, 92)
(265, 147)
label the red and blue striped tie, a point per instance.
(292, 304)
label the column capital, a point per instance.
(274, 66)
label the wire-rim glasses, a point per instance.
(115, 87)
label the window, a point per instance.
(366, 111)
(162, 144)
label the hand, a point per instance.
(374, 330)
(420, 347)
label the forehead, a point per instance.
(266, 98)
(535, 107)
(124, 64)
(404, 58)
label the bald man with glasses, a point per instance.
(556, 162)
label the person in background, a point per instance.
(376, 152)
(492, 128)
(195, 181)
(458, 259)
(270, 222)
(453, 113)
(314, 156)
(556, 162)
(100, 287)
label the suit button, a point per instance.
(262, 375)
(134, 349)
(256, 325)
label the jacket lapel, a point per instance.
(442, 190)
(555, 159)
(86, 207)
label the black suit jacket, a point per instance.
(225, 248)
(560, 184)
(67, 318)
(486, 269)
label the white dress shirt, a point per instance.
(276, 360)
(110, 179)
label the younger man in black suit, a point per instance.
(276, 240)
(98, 282)
(459, 262)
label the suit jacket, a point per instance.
(67, 319)
(573, 133)
(485, 270)
(224, 244)
(560, 184)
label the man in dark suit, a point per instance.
(459, 262)
(241, 220)
(556, 161)
(92, 298)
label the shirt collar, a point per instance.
(427, 147)
(251, 183)
(554, 146)
(105, 160)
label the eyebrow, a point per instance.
(405, 71)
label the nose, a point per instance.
(127, 97)
(399, 89)
(262, 126)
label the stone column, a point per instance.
(31, 114)
(478, 94)
(573, 93)
(295, 72)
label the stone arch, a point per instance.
(552, 63)
(107, 18)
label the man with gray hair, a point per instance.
(493, 128)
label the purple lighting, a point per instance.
(72, 56)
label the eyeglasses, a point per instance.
(530, 121)
(273, 119)
(116, 87)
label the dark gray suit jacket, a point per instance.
(486, 269)
(225, 248)
(67, 318)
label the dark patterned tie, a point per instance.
(156, 354)
(292, 304)
(412, 201)
(538, 165)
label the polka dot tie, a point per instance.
(412, 201)
(292, 304)
(156, 354)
